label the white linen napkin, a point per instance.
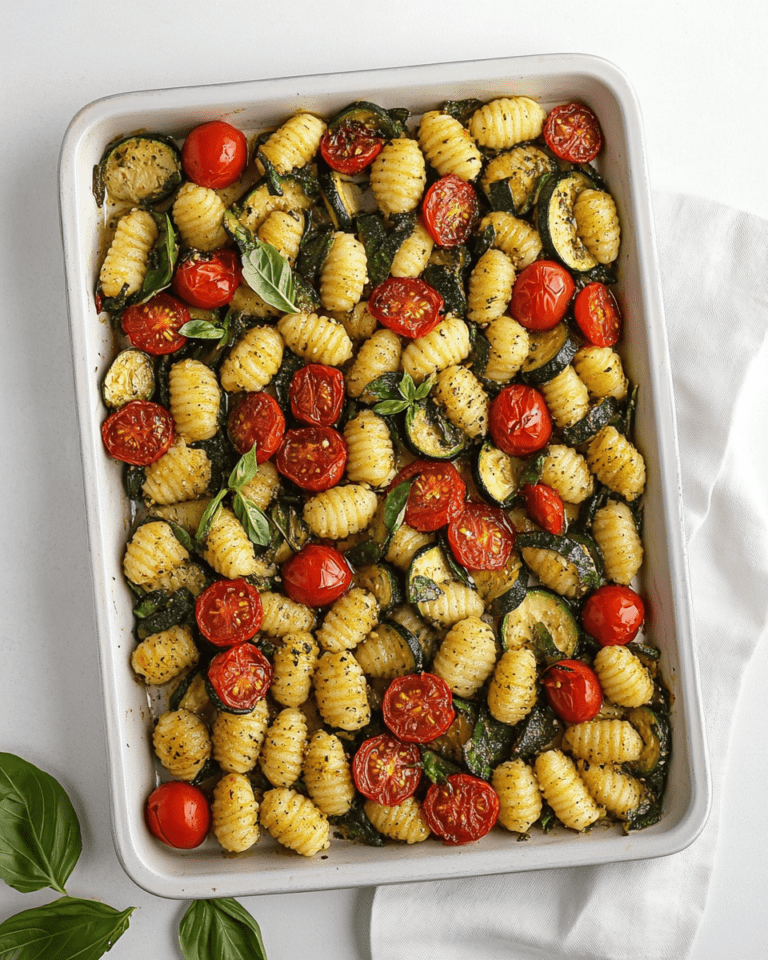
(713, 263)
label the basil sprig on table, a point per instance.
(220, 930)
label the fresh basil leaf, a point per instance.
(204, 527)
(369, 551)
(385, 387)
(437, 768)
(268, 273)
(388, 408)
(162, 259)
(395, 504)
(422, 589)
(40, 840)
(182, 536)
(245, 470)
(202, 330)
(423, 389)
(252, 519)
(66, 929)
(408, 388)
(220, 930)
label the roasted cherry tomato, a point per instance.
(613, 614)
(450, 210)
(572, 132)
(214, 154)
(207, 280)
(313, 457)
(350, 146)
(178, 814)
(238, 678)
(228, 612)
(138, 433)
(573, 690)
(598, 315)
(436, 496)
(481, 537)
(461, 810)
(407, 305)
(545, 507)
(418, 707)
(154, 326)
(519, 420)
(386, 770)
(256, 418)
(316, 575)
(317, 394)
(541, 295)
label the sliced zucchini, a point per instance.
(549, 353)
(503, 590)
(385, 123)
(654, 729)
(341, 196)
(407, 616)
(557, 225)
(446, 273)
(131, 376)
(570, 549)
(429, 433)
(605, 411)
(406, 638)
(429, 566)
(535, 732)
(382, 243)
(498, 475)
(540, 606)
(513, 179)
(383, 581)
(138, 169)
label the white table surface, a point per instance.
(699, 71)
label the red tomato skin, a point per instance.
(214, 154)
(256, 419)
(239, 601)
(462, 810)
(406, 305)
(208, 280)
(481, 537)
(239, 677)
(139, 417)
(545, 507)
(519, 421)
(314, 458)
(541, 295)
(317, 394)
(613, 614)
(450, 210)
(153, 326)
(573, 690)
(178, 814)
(597, 315)
(572, 132)
(350, 146)
(316, 575)
(384, 753)
(418, 707)
(436, 497)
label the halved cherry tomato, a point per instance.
(207, 280)
(350, 146)
(386, 770)
(317, 394)
(519, 421)
(545, 507)
(418, 707)
(407, 305)
(228, 612)
(613, 614)
(313, 457)
(154, 326)
(461, 810)
(436, 496)
(598, 315)
(316, 575)
(573, 690)
(178, 814)
(138, 433)
(214, 154)
(256, 418)
(572, 132)
(541, 295)
(481, 537)
(450, 210)
(239, 677)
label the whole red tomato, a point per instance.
(613, 614)
(207, 280)
(597, 315)
(178, 814)
(544, 506)
(461, 810)
(436, 496)
(256, 418)
(481, 537)
(541, 295)
(519, 421)
(317, 394)
(214, 154)
(316, 575)
(573, 690)
(418, 707)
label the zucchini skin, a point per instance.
(556, 221)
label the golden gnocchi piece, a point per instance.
(359, 322)
(456, 602)
(398, 176)
(235, 813)
(448, 146)
(293, 144)
(370, 451)
(378, 355)
(507, 121)
(567, 397)
(344, 273)
(341, 691)
(152, 551)
(509, 342)
(517, 238)
(565, 791)
(597, 224)
(349, 620)
(127, 259)
(283, 616)
(182, 743)
(447, 344)
(236, 738)
(603, 741)
(464, 400)
(294, 821)
(384, 653)
(519, 795)
(162, 656)
(554, 571)
(613, 789)
(567, 472)
(601, 370)
(615, 532)
(283, 229)
(617, 463)
(467, 656)
(513, 688)
(282, 752)
(404, 545)
(264, 485)
(490, 287)
(259, 203)
(198, 213)
(413, 253)
(253, 360)
(327, 774)
(405, 822)
(623, 677)
(340, 511)
(228, 548)
(195, 398)
(293, 664)
(316, 338)
(182, 474)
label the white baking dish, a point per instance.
(207, 872)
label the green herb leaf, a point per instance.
(182, 536)
(162, 259)
(268, 273)
(220, 930)
(408, 387)
(395, 504)
(388, 408)
(437, 768)
(202, 330)
(252, 519)
(40, 840)
(245, 470)
(423, 388)
(63, 930)
(489, 746)
(423, 589)
(204, 527)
